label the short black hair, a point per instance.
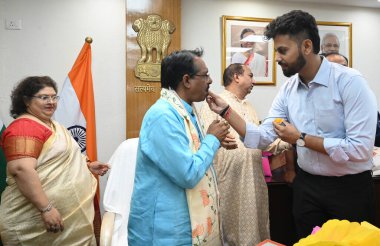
(176, 65)
(22, 93)
(230, 71)
(298, 24)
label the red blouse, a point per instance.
(24, 138)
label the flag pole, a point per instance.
(97, 219)
(78, 116)
(88, 40)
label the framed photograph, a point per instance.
(243, 42)
(336, 37)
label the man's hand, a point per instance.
(229, 142)
(215, 102)
(219, 129)
(286, 131)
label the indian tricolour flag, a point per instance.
(76, 111)
(3, 163)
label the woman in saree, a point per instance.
(51, 187)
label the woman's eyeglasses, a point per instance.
(46, 98)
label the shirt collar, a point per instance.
(322, 76)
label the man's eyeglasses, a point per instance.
(206, 77)
(46, 98)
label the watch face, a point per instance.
(300, 142)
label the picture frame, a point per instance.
(240, 45)
(342, 31)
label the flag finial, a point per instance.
(88, 40)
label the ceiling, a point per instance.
(357, 3)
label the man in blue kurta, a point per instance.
(175, 198)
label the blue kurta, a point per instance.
(165, 168)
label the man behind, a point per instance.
(332, 117)
(337, 58)
(175, 200)
(243, 190)
(330, 43)
(255, 61)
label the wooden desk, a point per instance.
(282, 228)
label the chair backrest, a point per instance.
(119, 188)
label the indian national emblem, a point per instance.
(153, 33)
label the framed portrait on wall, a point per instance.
(336, 37)
(243, 42)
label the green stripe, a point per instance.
(3, 165)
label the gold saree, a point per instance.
(70, 186)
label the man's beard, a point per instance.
(291, 70)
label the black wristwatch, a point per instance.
(301, 141)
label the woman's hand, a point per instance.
(53, 220)
(98, 168)
(29, 184)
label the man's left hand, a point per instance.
(286, 131)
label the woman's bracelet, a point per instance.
(224, 110)
(48, 208)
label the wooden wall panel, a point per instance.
(139, 103)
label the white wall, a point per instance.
(52, 35)
(201, 27)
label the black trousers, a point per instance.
(317, 199)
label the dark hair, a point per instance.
(230, 71)
(244, 31)
(298, 24)
(176, 65)
(335, 53)
(25, 89)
